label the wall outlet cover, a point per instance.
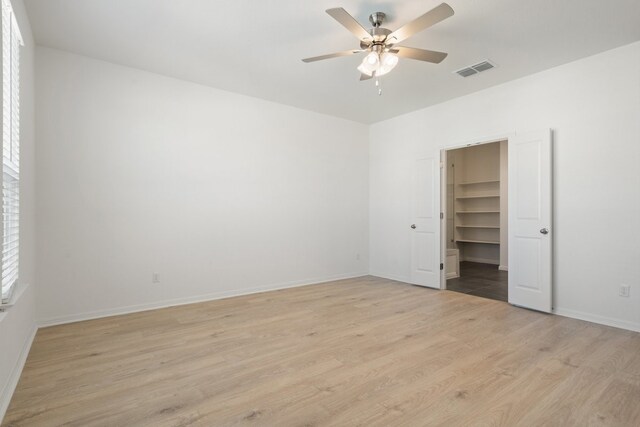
(625, 290)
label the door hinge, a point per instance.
(441, 215)
(441, 266)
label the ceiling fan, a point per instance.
(381, 42)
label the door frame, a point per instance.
(442, 189)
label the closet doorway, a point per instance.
(468, 224)
(475, 190)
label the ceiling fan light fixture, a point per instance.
(372, 59)
(370, 63)
(381, 64)
(364, 70)
(388, 62)
(382, 71)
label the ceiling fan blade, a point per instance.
(365, 77)
(332, 55)
(349, 22)
(419, 54)
(430, 18)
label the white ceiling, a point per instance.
(254, 47)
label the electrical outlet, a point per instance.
(625, 290)
(155, 278)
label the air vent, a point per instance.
(466, 72)
(475, 69)
(483, 66)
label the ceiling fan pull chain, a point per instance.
(379, 86)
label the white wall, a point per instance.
(593, 106)
(17, 324)
(219, 193)
(140, 173)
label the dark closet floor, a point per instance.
(482, 280)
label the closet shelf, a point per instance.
(476, 212)
(489, 242)
(478, 182)
(479, 226)
(492, 196)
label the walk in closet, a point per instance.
(477, 218)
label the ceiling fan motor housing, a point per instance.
(379, 36)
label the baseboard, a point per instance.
(190, 300)
(452, 275)
(602, 320)
(12, 383)
(503, 267)
(480, 260)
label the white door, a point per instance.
(425, 226)
(530, 228)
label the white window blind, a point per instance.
(11, 42)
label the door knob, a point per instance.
(413, 226)
(544, 231)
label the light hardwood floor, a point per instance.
(368, 351)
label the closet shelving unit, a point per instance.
(477, 208)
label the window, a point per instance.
(11, 42)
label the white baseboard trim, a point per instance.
(190, 300)
(12, 382)
(452, 275)
(594, 318)
(480, 260)
(503, 267)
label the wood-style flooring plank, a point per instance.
(364, 351)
